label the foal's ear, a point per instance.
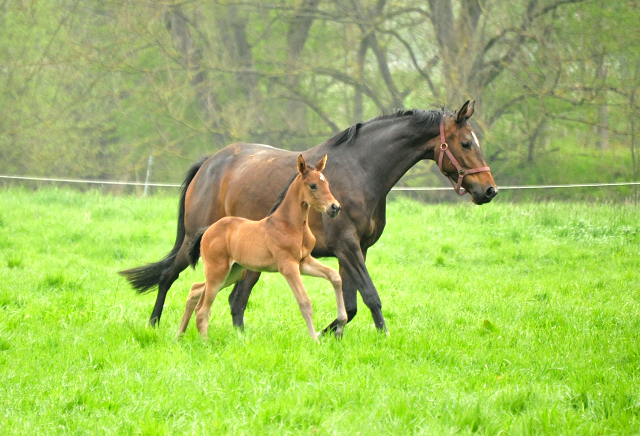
(302, 165)
(321, 163)
(465, 112)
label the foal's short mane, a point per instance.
(282, 194)
(419, 118)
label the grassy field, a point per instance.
(503, 319)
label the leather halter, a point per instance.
(444, 149)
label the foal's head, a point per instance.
(315, 187)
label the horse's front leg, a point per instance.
(350, 296)
(311, 267)
(352, 265)
(291, 272)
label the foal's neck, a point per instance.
(293, 210)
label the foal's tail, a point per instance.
(146, 277)
(194, 247)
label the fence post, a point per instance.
(146, 180)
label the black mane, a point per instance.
(419, 118)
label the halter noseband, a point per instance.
(444, 147)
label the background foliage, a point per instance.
(93, 88)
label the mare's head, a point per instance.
(315, 187)
(471, 171)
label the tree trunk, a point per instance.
(358, 108)
(233, 37)
(603, 109)
(299, 27)
(177, 24)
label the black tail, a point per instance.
(194, 247)
(145, 278)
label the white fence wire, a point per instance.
(399, 188)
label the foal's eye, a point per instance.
(313, 186)
(466, 145)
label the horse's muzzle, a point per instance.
(480, 197)
(333, 210)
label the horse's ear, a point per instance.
(321, 163)
(302, 165)
(471, 109)
(462, 113)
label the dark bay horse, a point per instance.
(280, 242)
(366, 161)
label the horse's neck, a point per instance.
(389, 153)
(293, 211)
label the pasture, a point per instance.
(504, 319)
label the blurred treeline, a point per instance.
(92, 88)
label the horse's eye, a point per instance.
(466, 145)
(312, 186)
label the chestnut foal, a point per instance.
(280, 242)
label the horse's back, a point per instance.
(240, 180)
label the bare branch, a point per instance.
(349, 80)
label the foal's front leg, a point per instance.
(291, 272)
(309, 266)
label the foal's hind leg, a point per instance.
(311, 267)
(194, 297)
(216, 276)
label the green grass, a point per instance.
(503, 319)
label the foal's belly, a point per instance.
(259, 268)
(247, 246)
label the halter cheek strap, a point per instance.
(444, 149)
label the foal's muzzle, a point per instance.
(333, 210)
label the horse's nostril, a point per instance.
(335, 207)
(491, 192)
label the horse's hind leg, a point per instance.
(311, 267)
(239, 297)
(194, 297)
(179, 264)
